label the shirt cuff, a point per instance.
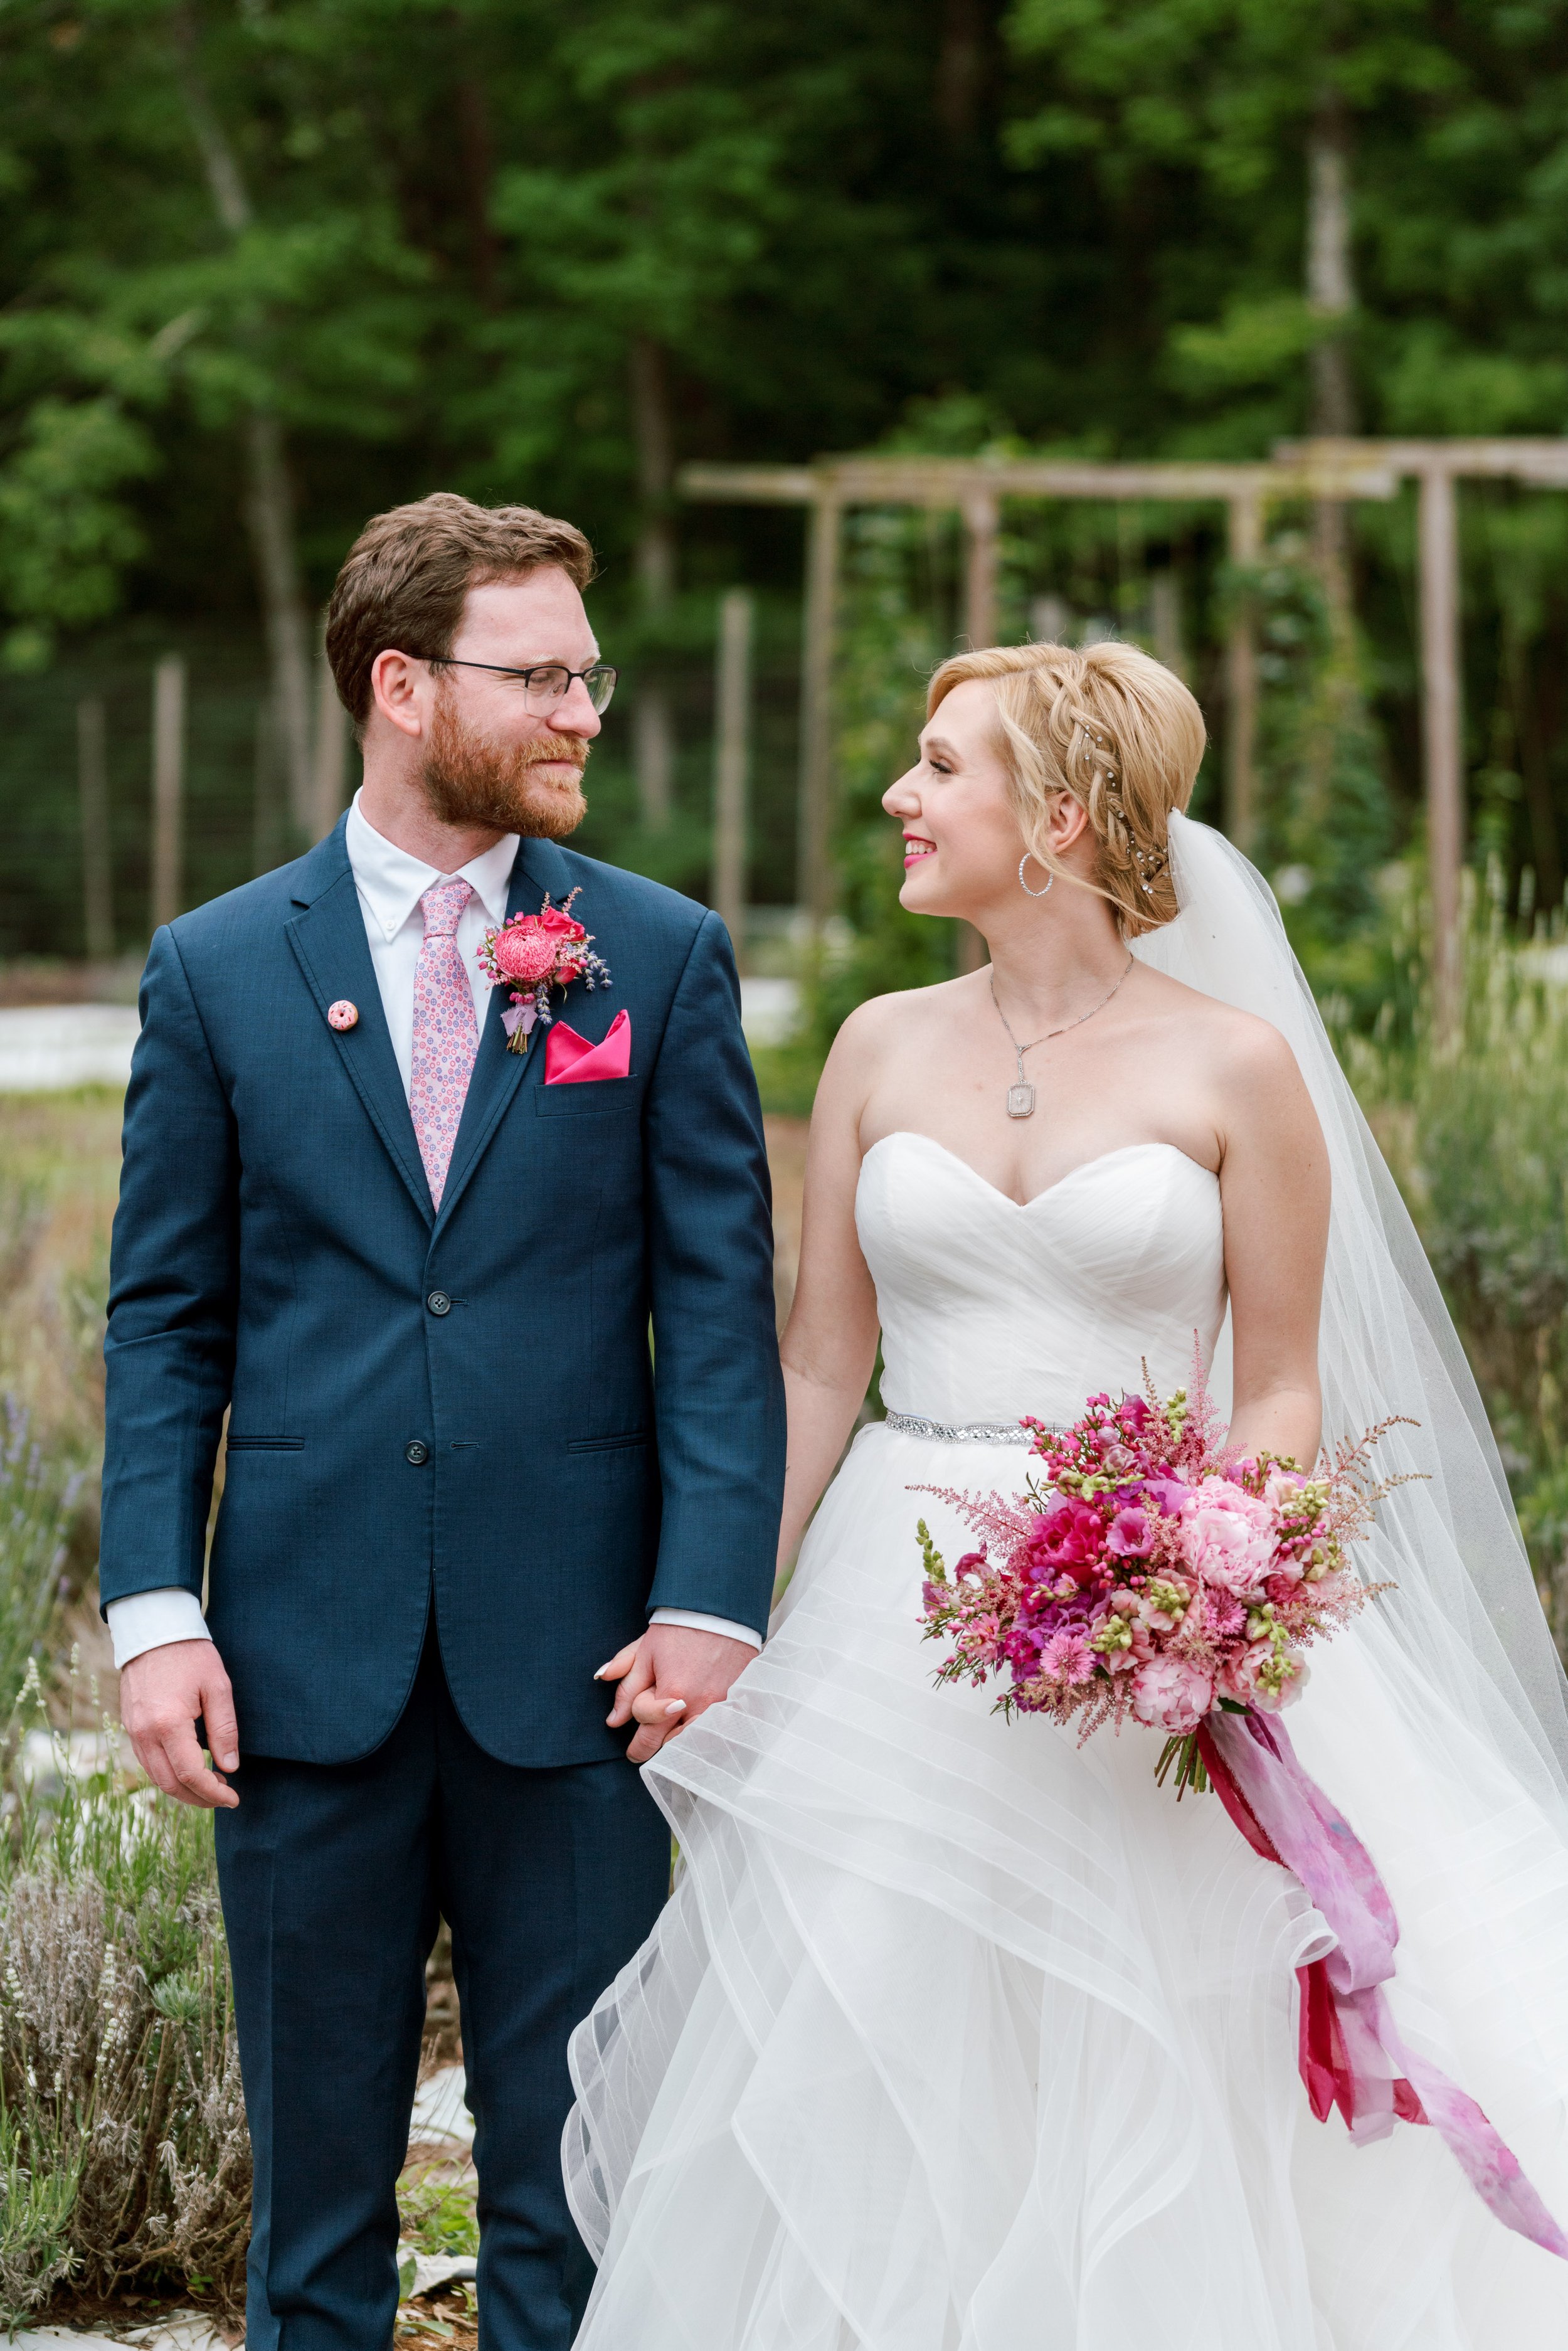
(152, 1619)
(700, 1623)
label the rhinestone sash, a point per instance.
(962, 1432)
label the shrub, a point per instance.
(38, 1500)
(123, 2149)
(1475, 1128)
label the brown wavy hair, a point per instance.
(406, 578)
(1115, 729)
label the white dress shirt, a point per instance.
(391, 885)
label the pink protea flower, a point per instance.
(1229, 1537)
(1172, 1694)
(525, 951)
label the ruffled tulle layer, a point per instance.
(956, 2037)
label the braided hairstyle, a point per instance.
(1114, 728)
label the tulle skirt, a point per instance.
(956, 2036)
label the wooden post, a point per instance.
(328, 779)
(1246, 517)
(1165, 619)
(732, 762)
(92, 789)
(815, 860)
(980, 571)
(1442, 722)
(168, 788)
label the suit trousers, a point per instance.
(333, 1878)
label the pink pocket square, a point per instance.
(571, 1060)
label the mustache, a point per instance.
(471, 779)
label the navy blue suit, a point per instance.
(468, 1453)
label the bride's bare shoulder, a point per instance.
(887, 1021)
(1244, 1057)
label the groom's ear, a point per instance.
(401, 688)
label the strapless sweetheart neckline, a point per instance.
(1085, 1166)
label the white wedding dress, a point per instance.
(957, 2036)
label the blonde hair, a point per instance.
(1114, 728)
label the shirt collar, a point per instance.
(391, 882)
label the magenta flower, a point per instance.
(1130, 1535)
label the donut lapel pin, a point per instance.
(343, 1015)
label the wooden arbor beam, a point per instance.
(976, 486)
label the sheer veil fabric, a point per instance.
(1465, 1607)
(954, 2036)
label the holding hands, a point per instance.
(667, 1678)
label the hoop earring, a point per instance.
(1023, 885)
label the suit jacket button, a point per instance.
(416, 1451)
(439, 1302)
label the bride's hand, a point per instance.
(666, 1680)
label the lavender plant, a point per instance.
(123, 2149)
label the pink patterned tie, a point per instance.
(445, 1033)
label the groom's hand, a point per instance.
(672, 1674)
(161, 1694)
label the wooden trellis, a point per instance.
(1316, 470)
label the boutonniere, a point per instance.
(532, 954)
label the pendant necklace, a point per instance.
(1020, 1097)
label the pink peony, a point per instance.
(525, 951)
(1172, 1694)
(1228, 1536)
(1240, 1678)
(1068, 1538)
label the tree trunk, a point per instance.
(1331, 297)
(960, 66)
(653, 727)
(269, 500)
(477, 152)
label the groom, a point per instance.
(495, 1338)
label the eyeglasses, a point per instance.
(547, 684)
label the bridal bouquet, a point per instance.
(532, 954)
(1158, 1574)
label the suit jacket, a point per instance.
(544, 1411)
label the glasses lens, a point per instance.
(546, 686)
(600, 684)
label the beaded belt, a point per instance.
(963, 1431)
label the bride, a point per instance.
(955, 2036)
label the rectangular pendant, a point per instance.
(1021, 1101)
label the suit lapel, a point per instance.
(497, 1074)
(329, 944)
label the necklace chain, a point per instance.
(1020, 1097)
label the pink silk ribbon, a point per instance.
(1351, 2054)
(571, 1060)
